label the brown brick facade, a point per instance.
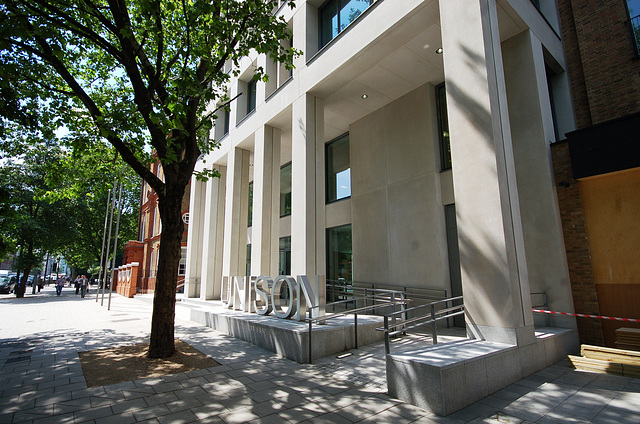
(603, 67)
(585, 296)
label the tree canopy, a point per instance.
(142, 76)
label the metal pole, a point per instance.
(104, 237)
(310, 325)
(355, 326)
(434, 329)
(106, 254)
(115, 246)
(387, 348)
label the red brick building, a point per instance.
(597, 167)
(145, 250)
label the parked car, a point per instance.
(6, 285)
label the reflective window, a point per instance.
(633, 7)
(250, 204)
(285, 190)
(339, 255)
(336, 15)
(284, 254)
(443, 127)
(248, 259)
(338, 169)
(251, 96)
(227, 116)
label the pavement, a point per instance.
(41, 379)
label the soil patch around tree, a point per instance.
(126, 363)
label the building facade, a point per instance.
(409, 148)
(598, 166)
(144, 251)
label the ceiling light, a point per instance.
(364, 96)
(439, 50)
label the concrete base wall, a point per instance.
(291, 338)
(448, 377)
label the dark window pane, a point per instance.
(248, 259)
(250, 204)
(339, 255)
(284, 253)
(443, 127)
(285, 190)
(226, 122)
(251, 96)
(338, 169)
(328, 22)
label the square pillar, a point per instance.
(266, 202)
(492, 255)
(532, 129)
(212, 236)
(307, 187)
(236, 213)
(192, 275)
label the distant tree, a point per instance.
(142, 75)
(31, 224)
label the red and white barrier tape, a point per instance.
(586, 316)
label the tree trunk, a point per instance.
(161, 343)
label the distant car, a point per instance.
(6, 286)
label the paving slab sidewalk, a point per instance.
(41, 378)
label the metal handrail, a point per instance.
(389, 301)
(431, 317)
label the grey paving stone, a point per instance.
(181, 417)
(184, 403)
(123, 418)
(156, 411)
(160, 399)
(92, 414)
(239, 416)
(56, 419)
(128, 406)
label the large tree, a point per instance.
(144, 73)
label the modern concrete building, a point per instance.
(409, 147)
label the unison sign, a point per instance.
(285, 296)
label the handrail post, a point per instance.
(434, 324)
(403, 307)
(355, 324)
(387, 348)
(310, 325)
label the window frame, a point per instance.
(326, 168)
(326, 5)
(280, 193)
(635, 37)
(252, 91)
(446, 163)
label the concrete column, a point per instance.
(236, 213)
(532, 129)
(492, 260)
(307, 189)
(212, 234)
(192, 277)
(266, 200)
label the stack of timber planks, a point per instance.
(628, 338)
(607, 360)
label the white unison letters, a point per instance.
(285, 296)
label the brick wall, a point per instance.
(603, 68)
(585, 296)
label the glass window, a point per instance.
(251, 96)
(339, 255)
(182, 266)
(227, 116)
(338, 169)
(284, 253)
(633, 7)
(248, 259)
(250, 204)
(285, 190)
(443, 127)
(336, 15)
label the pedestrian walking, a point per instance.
(77, 284)
(83, 285)
(59, 286)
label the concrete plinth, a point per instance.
(286, 337)
(448, 377)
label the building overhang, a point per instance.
(607, 147)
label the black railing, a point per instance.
(429, 313)
(634, 25)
